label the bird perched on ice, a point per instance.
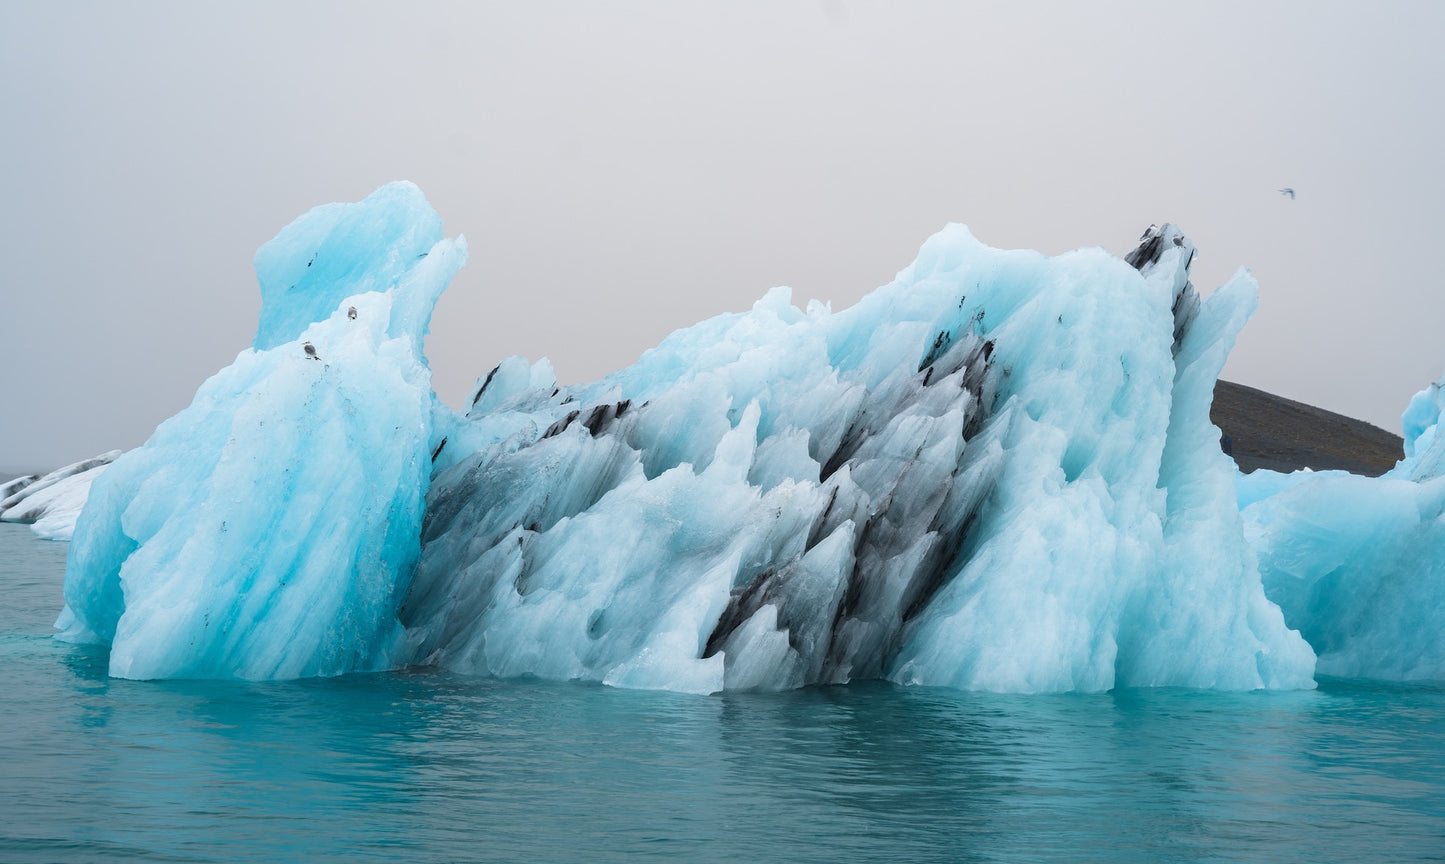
(310, 350)
(1288, 190)
(351, 312)
(1149, 232)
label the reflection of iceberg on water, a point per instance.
(996, 472)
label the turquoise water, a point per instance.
(425, 766)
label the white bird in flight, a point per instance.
(1288, 190)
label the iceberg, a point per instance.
(1357, 564)
(51, 503)
(269, 529)
(14, 485)
(996, 472)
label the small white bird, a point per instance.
(351, 312)
(1149, 232)
(310, 350)
(1288, 190)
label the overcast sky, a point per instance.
(624, 169)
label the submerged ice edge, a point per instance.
(996, 472)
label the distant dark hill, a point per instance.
(1267, 431)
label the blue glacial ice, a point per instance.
(269, 529)
(1358, 563)
(996, 472)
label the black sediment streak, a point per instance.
(561, 425)
(1146, 253)
(741, 605)
(480, 390)
(941, 343)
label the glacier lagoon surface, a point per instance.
(436, 766)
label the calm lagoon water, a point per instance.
(427, 766)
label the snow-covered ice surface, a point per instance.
(51, 503)
(269, 530)
(996, 472)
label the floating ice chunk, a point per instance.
(23, 499)
(1424, 449)
(64, 501)
(52, 503)
(1358, 563)
(269, 530)
(10, 487)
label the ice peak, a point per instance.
(338, 250)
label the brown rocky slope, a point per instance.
(1261, 430)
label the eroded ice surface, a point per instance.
(996, 472)
(269, 530)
